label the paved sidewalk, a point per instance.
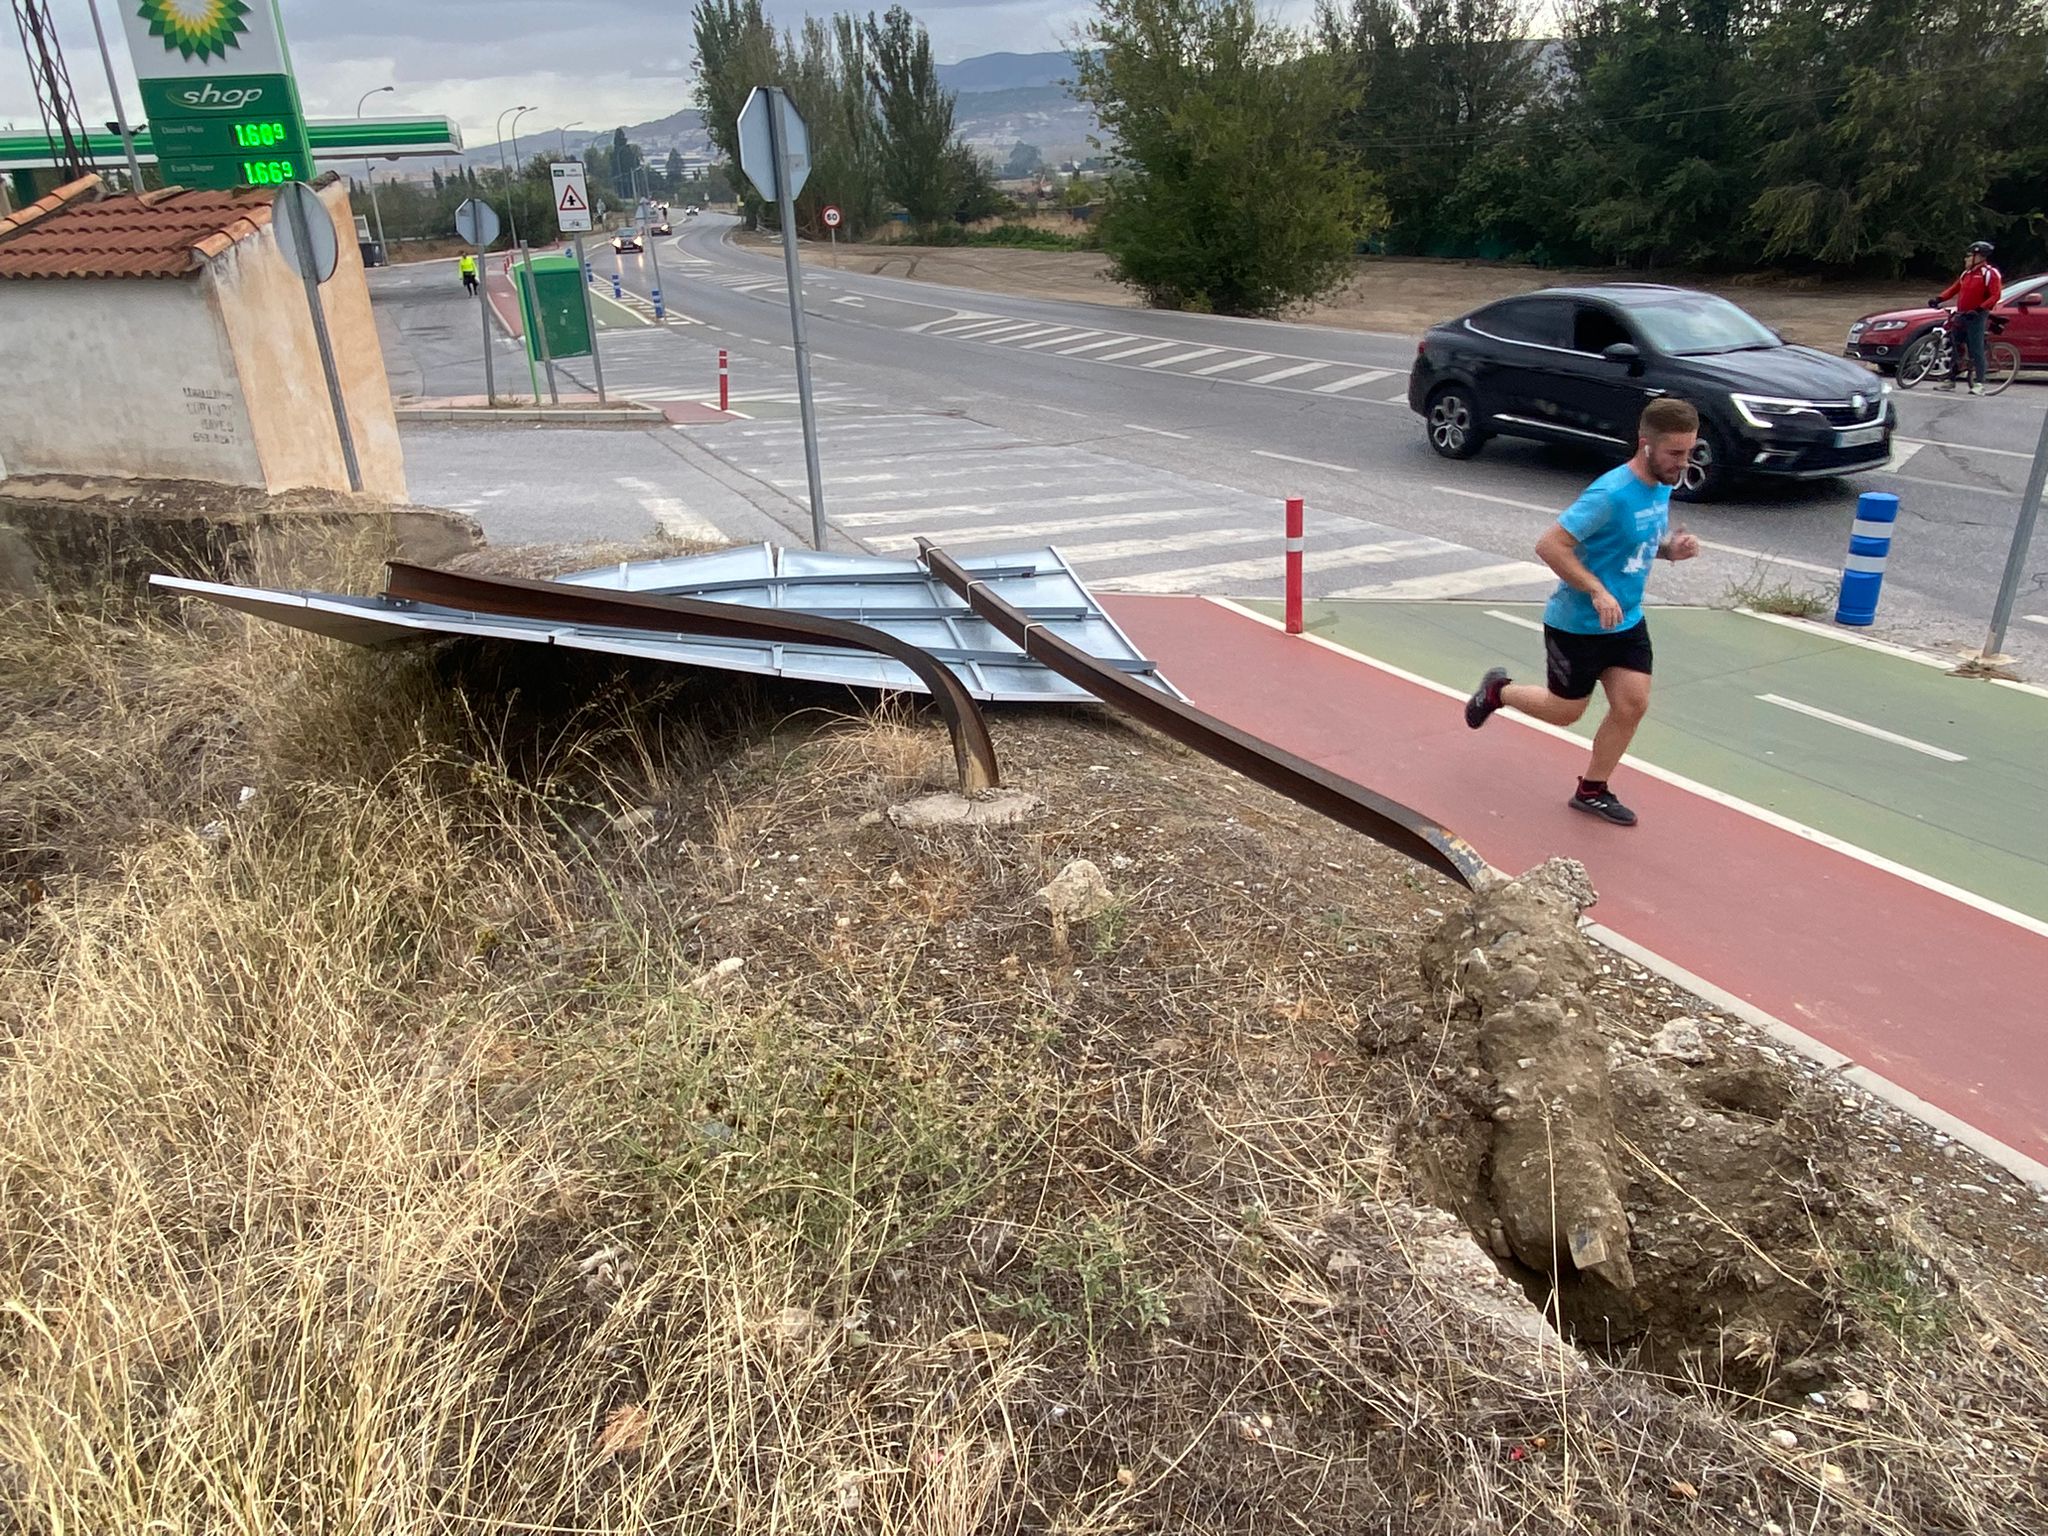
(1937, 995)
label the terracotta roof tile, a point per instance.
(78, 232)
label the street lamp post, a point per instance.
(516, 168)
(564, 132)
(370, 173)
(506, 173)
(120, 112)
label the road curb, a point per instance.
(2029, 1170)
(531, 415)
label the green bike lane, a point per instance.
(1946, 776)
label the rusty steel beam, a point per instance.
(1301, 781)
(974, 753)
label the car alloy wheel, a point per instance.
(1702, 471)
(1453, 431)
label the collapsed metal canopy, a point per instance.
(899, 597)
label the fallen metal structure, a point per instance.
(1341, 800)
(1003, 628)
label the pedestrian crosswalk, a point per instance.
(1334, 378)
(893, 477)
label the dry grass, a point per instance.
(388, 1151)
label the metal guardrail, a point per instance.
(974, 753)
(1301, 781)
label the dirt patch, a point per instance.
(1393, 296)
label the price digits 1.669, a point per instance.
(268, 173)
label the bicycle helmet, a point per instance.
(1980, 247)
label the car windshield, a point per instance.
(1693, 324)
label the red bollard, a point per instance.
(724, 386)
(1294, 542)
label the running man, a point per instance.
(469, 275)
(1593, 629)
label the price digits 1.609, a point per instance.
(258, 135)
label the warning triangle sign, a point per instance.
(572, 200)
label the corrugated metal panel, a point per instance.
(900, 597)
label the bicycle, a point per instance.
(1933, 356)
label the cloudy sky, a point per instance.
(603, 61)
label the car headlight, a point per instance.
(1888, 325)
(1766, 411)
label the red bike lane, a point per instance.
(1942, 998)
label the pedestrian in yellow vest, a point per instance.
(469, 275)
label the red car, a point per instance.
(1883, 339)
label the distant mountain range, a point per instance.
(1003, 99)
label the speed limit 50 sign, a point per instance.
(831, 216)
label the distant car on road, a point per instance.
(692, 211)
(627, 239)
(1882, 339)
(660, 227)
(1577, 365)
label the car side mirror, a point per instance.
(1779, 334)
(1626, 353)
(2029, 300)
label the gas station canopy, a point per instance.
(375, 138)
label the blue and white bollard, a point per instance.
(1870, 545)
(659, 312)
(617, 291)
(588, 275)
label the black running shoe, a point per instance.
(1480, 707)
(1606, 807)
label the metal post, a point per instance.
(724, 383)
(2022, 536)
(1295, 537)
(483, 296)
(120, 112)
(654, 255)
(589, 317)
(530, 309)
(304, 235)
(793, 273)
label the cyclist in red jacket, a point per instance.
(1976, 293)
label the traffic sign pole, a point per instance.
(2016, 556)
(785, 202)
(296, 196)
(539, 323)
(589, 318)
(483, 303)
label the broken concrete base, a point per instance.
(990, 808)
(69, 534)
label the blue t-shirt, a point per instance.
(1619, 522)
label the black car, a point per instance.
(1577, 365)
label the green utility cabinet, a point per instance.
(556, 290)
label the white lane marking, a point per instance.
(1902, 452)
(1060, 530)
(849, 299)
(1514, 618)
(1288, 458)
(1721, 797)
(1138, 549)
(1010, 508)
(1957, 485)
(1770, 559)
(1512, 573)
(1061, 410)
(948, 319)
(1862, 728)
(1236, 362)
(1269, 567)
(1015, 329)
(1051, 331)
(2035, 618)
(1154, 346)
(1183, 357)
(1340, 385)
(1091, 346)
(1935, 442)
(1069, 334)
(1287, 373)
(1132, 426)
(1499, 501)
(668, 512)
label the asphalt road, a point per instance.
(1155, 448)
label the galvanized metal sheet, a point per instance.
(898, 596)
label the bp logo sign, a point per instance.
(197, 29)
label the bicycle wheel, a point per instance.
(1928, 358)
(2003, 360)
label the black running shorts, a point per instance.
(1576, 661)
